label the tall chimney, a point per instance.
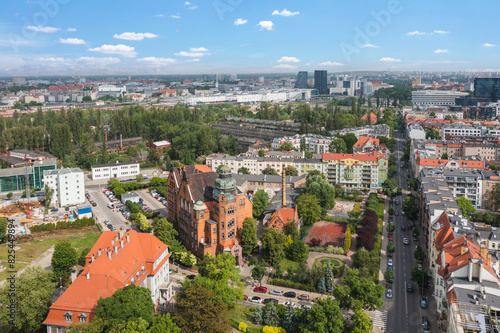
(121, 142)
(283, 185)
(105, 135)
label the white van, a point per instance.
(111, 205)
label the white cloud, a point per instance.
(193, 60)
(135, 35)
(189, 54)
(74, 41)
(71, 29)
(285, 12)
(441, 51)
(416, 32)
(371, 45)
(285, 66)
(187, 3)
(331, 63)
(40, 28)
(123, 50)
(389, 59)
(94, 60)
(175, 16)
(198, 49)
(192, 7)
(441, 32)
(159, 15)
(266, 25)
(158, 61)
(240, 21)
(288, 59)
(58, 59)
(488, 45)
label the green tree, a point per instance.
(410, 207)
(118, 191)
(270, 171)
(86, 99)
(465, 206)
(339, 190)
(273, 246)
(389, 276)
(165, 232)
(142, 222)
(289, 320)
(260, 202)
(291, 171)
(163, 323)
(419, 253)
(337, 146)
(287, 146)
(81, 259)
(3, 228)
(444, 156)
(415, 233)
(271, 317)
(319, 186)
(309, 208)
(297, 251)
(421, 277)
(361, 323)
(328, 277)
(324, 317)
(9, 195)
(244, 171)
(139, 178)
(248, 235)
(359, 293)
(130, 302)
(49, 194)
(258, 316)
(199, 311)
(63, 259)
(258, 273)
(221, 276)
(321, 287)
(347, 241)
(350, 139)
(391, 248)
(495, 196)
(34, 287)
(262, 153)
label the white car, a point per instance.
(389, 293)
(305, 307)
(389, 262)
(287, 303)
(406, 241)
(256, 299)
(276, 292)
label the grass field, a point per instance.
(31, 250)
(243, 313)
(286, 264)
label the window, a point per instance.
(215, 230)
(222, 236)
(68, 317)
(215, 241)
(83, 318)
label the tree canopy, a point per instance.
(248, 235)
(309, 208)
(319, 186)
(466, 207)
(272, 246)
(358, 293)
(260, 202)
(63, 259)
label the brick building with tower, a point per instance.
(286, 214)
(208, 208)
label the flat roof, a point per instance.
(113, 164)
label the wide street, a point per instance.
(404, 312)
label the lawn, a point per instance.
(337, 264)
(380, 207)
(243, 313)
(286, 264)
(31, 250)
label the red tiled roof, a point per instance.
(364, 139)
(445, 233)
(106, 275)
(230, 243)
(359, 157)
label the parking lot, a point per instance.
(102, 213)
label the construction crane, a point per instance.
(28, 188)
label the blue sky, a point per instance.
(77, 37)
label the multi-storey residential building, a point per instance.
(415, 131)
(255, 165)
(313, 142)
(366, 144)
(116, 261)
(457, 129)
(356, 171)
(465, 183)
(371, 130)
(209, 210)
(490, 179)
(68, 185)
(115, 170)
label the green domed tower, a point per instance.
(225, 184)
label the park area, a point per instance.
(341, 209)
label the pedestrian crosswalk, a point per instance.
(380, 319)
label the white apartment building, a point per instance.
(115, 170)
(425, 98)
(68, 185)
(464, 130)
(318, 144)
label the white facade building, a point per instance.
(68, 185)
(115, 170)
(464, 130)
(425, 98)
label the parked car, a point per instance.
(245, 297)
(54, 210)
(269, 300)
(403, 228)
(423, 303)
(397, 202)
(305, 307)
(409, 287)
(256, 299)
(290, 294)
(303, 297)
(93, 203)
(396, 213)
(276, 292)
(391, 237)
(389, 262)
(389, 293)
(260, 290)
(287, 303)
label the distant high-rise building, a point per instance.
(487, 88)
(301, 82)
(320, 82)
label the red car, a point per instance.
(260, 290)
(390, 233)
(391, 238)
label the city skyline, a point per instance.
(60, 37)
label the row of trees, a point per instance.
(367, 230)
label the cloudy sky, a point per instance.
(61, 37)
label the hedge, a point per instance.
(79, 223)
(290, 284)
(357, 207)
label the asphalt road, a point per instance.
(404, 312)
(103, 213)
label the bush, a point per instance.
(242, 327)
(77, 224)
(291, 284)
(334, 249)
(357, 207)
(9, 195)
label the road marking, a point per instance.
(380, 319)
(406, 298)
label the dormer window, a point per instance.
(82, 317)
(68, 317)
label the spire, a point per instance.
(283, 185)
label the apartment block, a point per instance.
(115, 170)
(68, 185)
